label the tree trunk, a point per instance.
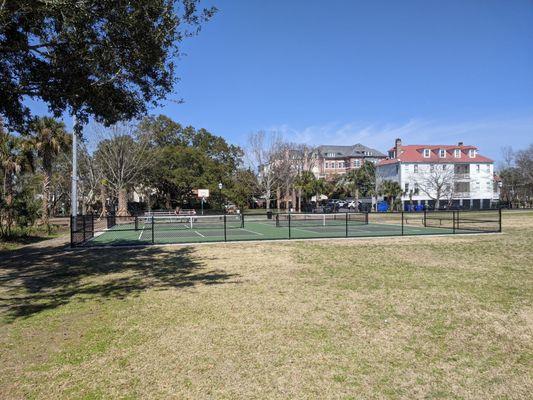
(46, 197)
(103, 197)
(356, 198)
(123, 203)
(267, 195)
(278, 200)
(299, 200)
(167, 201)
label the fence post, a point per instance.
(153, 229)
(457, 217)
(289, 225)
(83, 217)
(225, 237)
(425, 226)
(453, 221)
(500, 219)
(402, 222)
(71, 232)
(346, 224)
(136, 223)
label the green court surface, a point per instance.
(255, 228)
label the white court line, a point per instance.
(141, 234)
(198, 233)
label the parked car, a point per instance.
(353, 205)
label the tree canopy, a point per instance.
(103, 58)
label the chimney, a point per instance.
(397, 144)
(460, 144)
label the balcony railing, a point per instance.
(461, 195)
(461, 176)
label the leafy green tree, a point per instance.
(185, 159)
(106, 58)
(391, 190)
(305, 183)
(49, 139)
(359, 181)
(244, 186)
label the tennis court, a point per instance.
(168, 229)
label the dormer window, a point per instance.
(457, 153)
(330, 155)
(472, 153)
(442, 153)
(427, 153)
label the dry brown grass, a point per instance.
(421, 317)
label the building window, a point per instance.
(444, 166)
(442, 153)
(341, 165)
(330, 155)
(357, 163)
(427, 153)
(415, 168)
(471, 153)
(478, 168)
(431, 167)
(417, 190)
(457, 153)
(406, 187)
(326, 165)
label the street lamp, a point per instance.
(220, 194)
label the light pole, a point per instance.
(220, 194)
(74, 186)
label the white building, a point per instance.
(440, 175)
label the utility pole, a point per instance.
(74, 187)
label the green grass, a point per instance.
(416, 317)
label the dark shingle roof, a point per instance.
(357, 150)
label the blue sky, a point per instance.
(342, 72)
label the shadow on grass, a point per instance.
(34, 280)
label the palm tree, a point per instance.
(391, 190)
(49, 138)
(351, 183)
(319, 187)
(15, 158)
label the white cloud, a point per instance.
(490, 134)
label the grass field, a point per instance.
(414, 317)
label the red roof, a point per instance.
(414, 153)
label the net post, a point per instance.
(425, 215)
(500, 219)
(153, 229)
(242, 220)
(367, 217)
(346, 216)
(402, 222)
(136, 223)
(289, 225)
(225, 235)
(457, 219)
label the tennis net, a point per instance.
(338, 219)
(172, 222)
